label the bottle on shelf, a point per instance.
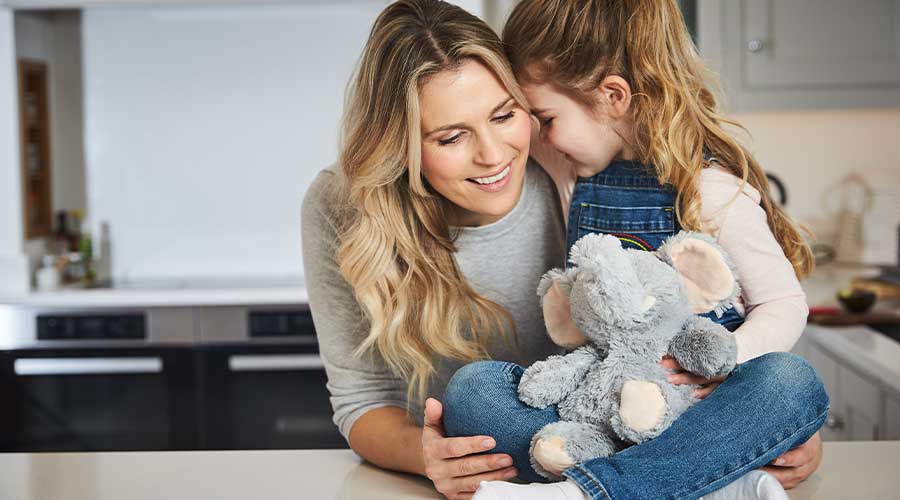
(60, 243)
(87, 259)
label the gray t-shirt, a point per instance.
(503, 261)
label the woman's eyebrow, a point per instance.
(463, 125)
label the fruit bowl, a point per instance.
(856, 300)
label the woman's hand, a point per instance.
(680, 377)
(451, 463)
(796, 465)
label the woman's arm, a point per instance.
(358, 384)
(369, 401)
(389, 439)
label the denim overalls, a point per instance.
(627, 201)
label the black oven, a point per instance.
(176, 378)
(266, 397)
(97, 399)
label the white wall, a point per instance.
(814, 151)
(204, 127)
(13, 264)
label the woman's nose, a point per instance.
(490, 150)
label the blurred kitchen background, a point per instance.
(153, 159)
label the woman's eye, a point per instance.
(452, 140)
(507, 116)
(546, 121)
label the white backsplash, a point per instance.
(205, 126)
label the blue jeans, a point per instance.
(767, 406)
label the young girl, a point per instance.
(633, 139)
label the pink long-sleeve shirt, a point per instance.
(772, 300)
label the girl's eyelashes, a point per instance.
(545, 121)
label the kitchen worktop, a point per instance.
(864, 349)
(850, 470)
(171, 293)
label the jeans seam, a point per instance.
(820, 418)
(584, 472)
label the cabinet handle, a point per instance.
(834, 422)
(86, 366)
(756, 45)
(274, 362)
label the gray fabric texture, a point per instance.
(503, 261)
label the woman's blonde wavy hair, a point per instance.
(396, 248)
(574, 44)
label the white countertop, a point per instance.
(851, 470)
(172, 293)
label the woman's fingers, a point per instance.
(461, 446)
(479, 464)
(468, 484)
(434, 412)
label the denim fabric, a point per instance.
(767, 406)
(626, 200)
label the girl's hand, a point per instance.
(796, 465)
(680, 377)
(451, 463)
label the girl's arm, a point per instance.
(771, 293)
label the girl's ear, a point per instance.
(616, 93)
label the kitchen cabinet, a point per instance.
(862, 408)
(827, 369)
(892, 418)
(803, 53)
(859, 403)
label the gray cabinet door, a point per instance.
(891, 419)
(861, 401)
(835, 427)
(776, 54)
(821, 43)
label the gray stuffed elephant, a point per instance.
(622, 311)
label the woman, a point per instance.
(424, 246)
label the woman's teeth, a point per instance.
(492, 179)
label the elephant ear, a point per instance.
(554, 291)
(710, 281)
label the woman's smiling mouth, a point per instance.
(493, 183)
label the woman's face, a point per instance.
(474, 143)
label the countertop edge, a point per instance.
(111, 298)
(837, 341)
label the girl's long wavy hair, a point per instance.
(395, 246)
(574, 44)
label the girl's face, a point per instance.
(475, 141)
(589, 138)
